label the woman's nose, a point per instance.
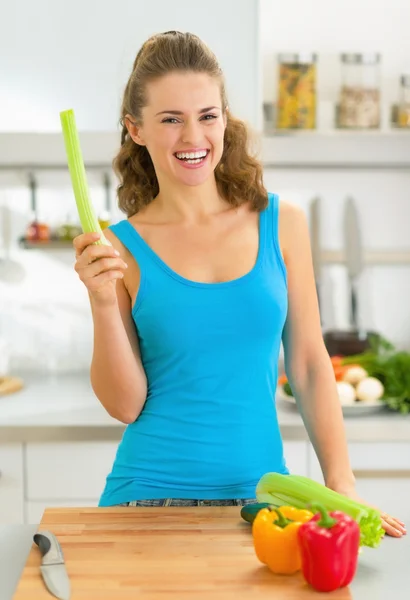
(191, 133)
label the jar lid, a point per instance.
(368, 58)
(297, 57)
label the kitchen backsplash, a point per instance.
(46, 320)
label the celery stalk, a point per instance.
(88, 220)
(299, 491)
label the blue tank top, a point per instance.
(209, 428)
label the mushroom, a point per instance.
(347, 393)
(369, 389)
(355, 374)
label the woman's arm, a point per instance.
(308, 365)
(117, 375)
(307, 361)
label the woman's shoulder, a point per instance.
(288, 211)
(293, 224)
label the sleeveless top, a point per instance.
(208, 428)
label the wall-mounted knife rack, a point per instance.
(371, 258)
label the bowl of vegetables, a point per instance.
(374, 380)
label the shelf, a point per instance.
(34, 151)
(375, 258)
(332, 149)
(337, 149)
(45, 246)
(371, 258)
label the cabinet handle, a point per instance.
(382, 473)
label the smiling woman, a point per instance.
(175, 116)
(204, 279)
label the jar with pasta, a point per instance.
(296, 101)
(359, 101)
(404, 103)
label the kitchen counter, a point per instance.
(64, 408)
(87, 535)
(15, 544)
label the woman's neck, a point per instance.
(188, 204)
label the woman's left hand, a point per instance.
(391, 525)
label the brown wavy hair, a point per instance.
(238, 175)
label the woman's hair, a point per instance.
(238, 175)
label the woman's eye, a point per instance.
(173, 120)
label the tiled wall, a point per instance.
(46, 317)
(383, 203)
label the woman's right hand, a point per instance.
(98, 266)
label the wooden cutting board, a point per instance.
(167, 553)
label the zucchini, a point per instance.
(249, 511)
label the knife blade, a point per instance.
(314, 221)
(353, 255)
(53, 567)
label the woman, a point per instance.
(204, 279)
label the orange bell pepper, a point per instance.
(275, 538)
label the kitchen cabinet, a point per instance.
(296, 456)
(382, 472)
(73, 78)
(11, 484)
(35, 476)
(35, 509)
(68, 470)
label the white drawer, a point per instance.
(35, 509)
(296, 456)
(11, 484)
(64, 471)
(372, 460)
(378, 456)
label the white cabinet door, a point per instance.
(230, 28)
(391, 495)
(371, 460)
(382, 471)
(68, 470)
(11, 484)
(35, 509)
(296, 456)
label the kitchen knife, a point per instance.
(354, 256)
(314, 221)
(52, 567)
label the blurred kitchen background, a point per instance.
(326, 87)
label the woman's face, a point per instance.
(183, 127)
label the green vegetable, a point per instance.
(392, 368)
(287, 389)
(249, 511)
(89, 222)
(295, 490)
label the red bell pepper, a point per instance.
(329, 547)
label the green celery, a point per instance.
(89, 221)
(299, 491)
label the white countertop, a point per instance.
(64, 407)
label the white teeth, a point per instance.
(191, 155)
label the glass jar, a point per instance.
(296, 103)
(404, 102)
(359, 102)
(38, 230)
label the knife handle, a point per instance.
(49, 548)
(353, 307)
